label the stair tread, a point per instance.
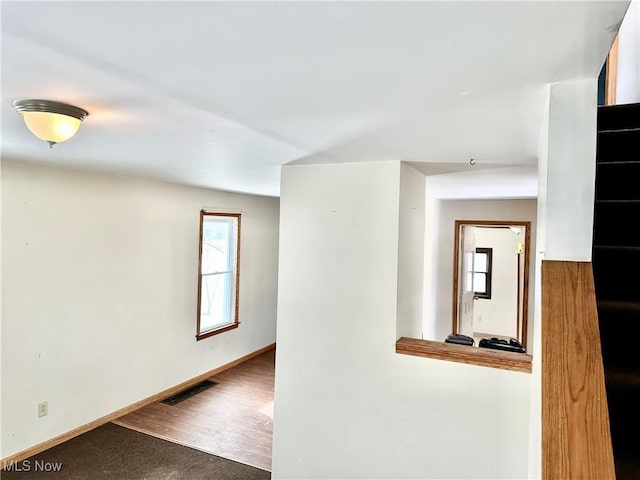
(614, 130)
(619, 304)
(633, 248)
(622, 377)
(619, 162)
(618, 107)
(619, 116)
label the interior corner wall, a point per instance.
(431, 275)
(442, 271)
(410, 252)
(346, 405)
(99, 289)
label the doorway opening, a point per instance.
(491, 277)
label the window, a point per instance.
(482, 273)
(218, 273)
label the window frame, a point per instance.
(200, 335)
(487, 293)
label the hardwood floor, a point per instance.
(233, 419)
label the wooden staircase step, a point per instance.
(619, 306)
(618, 181)
(623, 397)
(615, 271)
(618, 145)
(613, 222)
(617, 117)
(627, 380)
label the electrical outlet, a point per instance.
(42, 409)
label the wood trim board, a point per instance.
(611, 78)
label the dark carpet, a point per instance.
(111, 452)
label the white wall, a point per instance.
(99, 293)
(442, 270)
(628, 75)
(499, 314)
(346, 405)
(570, 182)
(410, 252)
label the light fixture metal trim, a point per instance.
(50, 106)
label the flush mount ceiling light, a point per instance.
(53, 122)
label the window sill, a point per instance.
(216, 331)
(517, 362)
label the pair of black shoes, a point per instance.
(512, 345)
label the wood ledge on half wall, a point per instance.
(485, 357)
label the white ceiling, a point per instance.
(221, 94)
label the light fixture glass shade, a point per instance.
(53, 122)
(51, 127)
